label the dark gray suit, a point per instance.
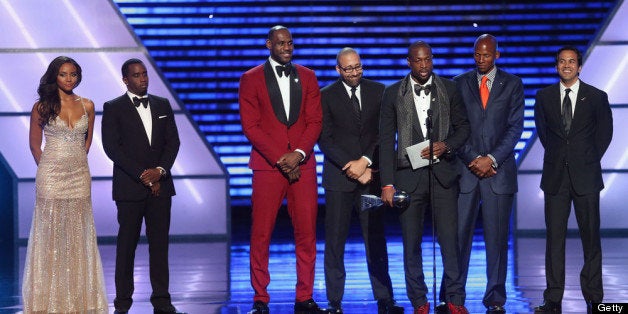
(572, 172)
(495, 131)
(126, 144)
(347, 137)
(415, 182)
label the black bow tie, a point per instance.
(418, 88)
(283, 70)
(138, 101)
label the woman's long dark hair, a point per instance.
(48, 90)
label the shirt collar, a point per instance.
(131, 95)
(574, 88)
(348, 88)
(491, 74)
(429, 81)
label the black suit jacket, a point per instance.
(582, 149)
(446, 171)
(126, 144)
(344, 137)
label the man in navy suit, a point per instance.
(575, 125)
(349, 140)
(140, 136)
(494, 101)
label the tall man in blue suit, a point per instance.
(494, 102)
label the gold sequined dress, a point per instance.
(63, 271)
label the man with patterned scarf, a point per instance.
(406, 106)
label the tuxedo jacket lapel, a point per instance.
(154, 113)
(416, 125)
(344, 100)
(295, 96)
(132, 114)
(556, 104)
(274, 93)
(496, 88)
(582, 105)
(471, 83)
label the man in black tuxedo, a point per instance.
(140, 136)
(406, 106)
(575, 125)
(349, 140)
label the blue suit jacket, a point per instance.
(494, 130)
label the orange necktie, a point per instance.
(484, 91)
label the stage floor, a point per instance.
(213, 277)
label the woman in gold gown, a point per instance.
(63, 271)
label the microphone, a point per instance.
(428, 121)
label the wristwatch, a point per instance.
(162, 171)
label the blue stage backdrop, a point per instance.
(203, 47)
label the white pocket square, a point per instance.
(161, 117)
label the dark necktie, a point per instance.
(283, 70)
(355, 102)
(138, 101)
(567, 111)
(418, 88)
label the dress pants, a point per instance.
(269, 190)
(155, 211)
(496, 213)
(339, 208)
(446, 218)
(587, 210)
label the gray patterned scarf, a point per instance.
(406, 111)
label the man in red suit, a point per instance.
(280, 111)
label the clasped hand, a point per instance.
(482, 167)
(150, 178)
(289, 165)
(355, 169)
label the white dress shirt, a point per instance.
(145, 115)
(422, 104)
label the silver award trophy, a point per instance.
(401, 200)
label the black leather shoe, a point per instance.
(495, 309)
(388, 307)
(548, 307)
(334, 307)
(441, 308)
(334, 310)
(259, 307)
(308, 307)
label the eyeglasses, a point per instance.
(357, 68)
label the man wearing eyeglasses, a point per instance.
(406, 105)
(349, 140)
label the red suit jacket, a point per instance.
(264, 121)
